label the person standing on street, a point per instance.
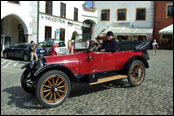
(155, 46)
(55, 50)
(33, 51)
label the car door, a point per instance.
(19, 51)
(12, 50)
(104, 61)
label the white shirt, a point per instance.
(57, 49)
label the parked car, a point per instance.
(51, 78)
(21, 50)
(47, 45)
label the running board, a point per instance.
(111, 78)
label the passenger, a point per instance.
(110, 45)
(87, 44)
(99, 43)
(55, 50)
(71, 49)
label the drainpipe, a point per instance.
(38, 21)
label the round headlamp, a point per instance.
(32, 64)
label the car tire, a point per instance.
(5, 55)
(26, 82)
(53, 88)
(136, 73)
(26, 57)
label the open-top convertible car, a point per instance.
(51, 77)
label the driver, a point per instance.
(110, 45)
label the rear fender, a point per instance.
(128, 63)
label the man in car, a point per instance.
(109, 45)
(33, 51)
(55, 50)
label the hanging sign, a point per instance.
(57, 31)
(53, 19)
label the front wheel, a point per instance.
(27, 83)
(53, 88)
(136, 73)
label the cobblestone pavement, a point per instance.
(153, 97)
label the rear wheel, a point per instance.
(136, 73)
(53, 88)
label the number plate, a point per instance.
(42, 50)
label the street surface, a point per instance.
(153, 97)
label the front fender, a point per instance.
(26, 66)
(48, 67)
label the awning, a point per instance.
(167, 30)
(129, 31)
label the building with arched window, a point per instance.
(18, 22)
(23, 21)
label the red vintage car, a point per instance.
(51, 77)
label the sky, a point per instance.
(88, 3)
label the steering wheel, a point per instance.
(93, 46)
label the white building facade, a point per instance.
(132, 20)
(18, 22)
(26, 21)
(60, 20)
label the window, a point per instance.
(121, 14)
(169, 10)
(105, 15)
(15, 46)
(75, 14)
(16, 2)
(49, 7)
(2, 24)
(48, 32)
(62, 34)
(22, 46)
(166, 40)
(142, 38)
(140, 14)
(63, 10)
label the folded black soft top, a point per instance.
(134, 45)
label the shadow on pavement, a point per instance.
(84, 88)
(25, 100)
(22, 99)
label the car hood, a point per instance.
(70, 61)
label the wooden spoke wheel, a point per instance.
(53, 88)
(136, 73)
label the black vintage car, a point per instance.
(21, 50)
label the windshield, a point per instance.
(81, 43)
